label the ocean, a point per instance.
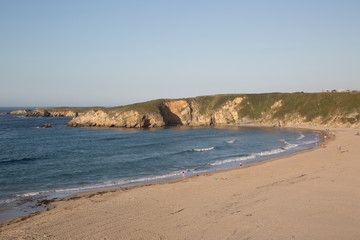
(44, 163)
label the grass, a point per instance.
(255, 104)
(142, 108)
(312, 105)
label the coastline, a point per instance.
(34, 201)
(172, 199)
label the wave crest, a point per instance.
(202, 149)
(109, 184)
(259, 154)
(301, 136)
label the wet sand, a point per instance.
(313, 194)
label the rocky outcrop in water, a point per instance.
(46, 125)
(42, 112)
(36, 113)
(20, 111)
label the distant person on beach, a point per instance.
(357, 133)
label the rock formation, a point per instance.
(176, 113)
(274, 109)
(46, 125)
(42, 112)
(20, 111)
(228, 113)
(128, 119)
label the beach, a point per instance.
(311, 194)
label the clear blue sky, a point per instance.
(109, 53)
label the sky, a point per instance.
(111, 53)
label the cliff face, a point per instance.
(128, 119)
(274, 109)
(228, 113)
(176, 113)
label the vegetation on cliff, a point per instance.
(271, 109)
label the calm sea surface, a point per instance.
(40, 163)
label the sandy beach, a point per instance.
(313, 194)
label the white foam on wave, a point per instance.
(121, 182)
(301, 136)
(108, 184)
(290, 146)
(230, 160)
(7, 201)
(259, 154)
(270, 152)
(202, 149)
(231, 141)
(31, 194)
(309, 142)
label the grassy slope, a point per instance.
(308, 105)
(209, 104)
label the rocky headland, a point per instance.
(272, 109)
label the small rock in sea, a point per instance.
(4, 113)
(46, 125)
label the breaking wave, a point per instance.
(110, 184)
(259, 154)
(301, 136)
(202, 149)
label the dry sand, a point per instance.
(310, 195)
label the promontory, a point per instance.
(268, 109)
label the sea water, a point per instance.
(42, 163)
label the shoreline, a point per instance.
(29, 205)
(90, 199)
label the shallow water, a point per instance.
(40, 163)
